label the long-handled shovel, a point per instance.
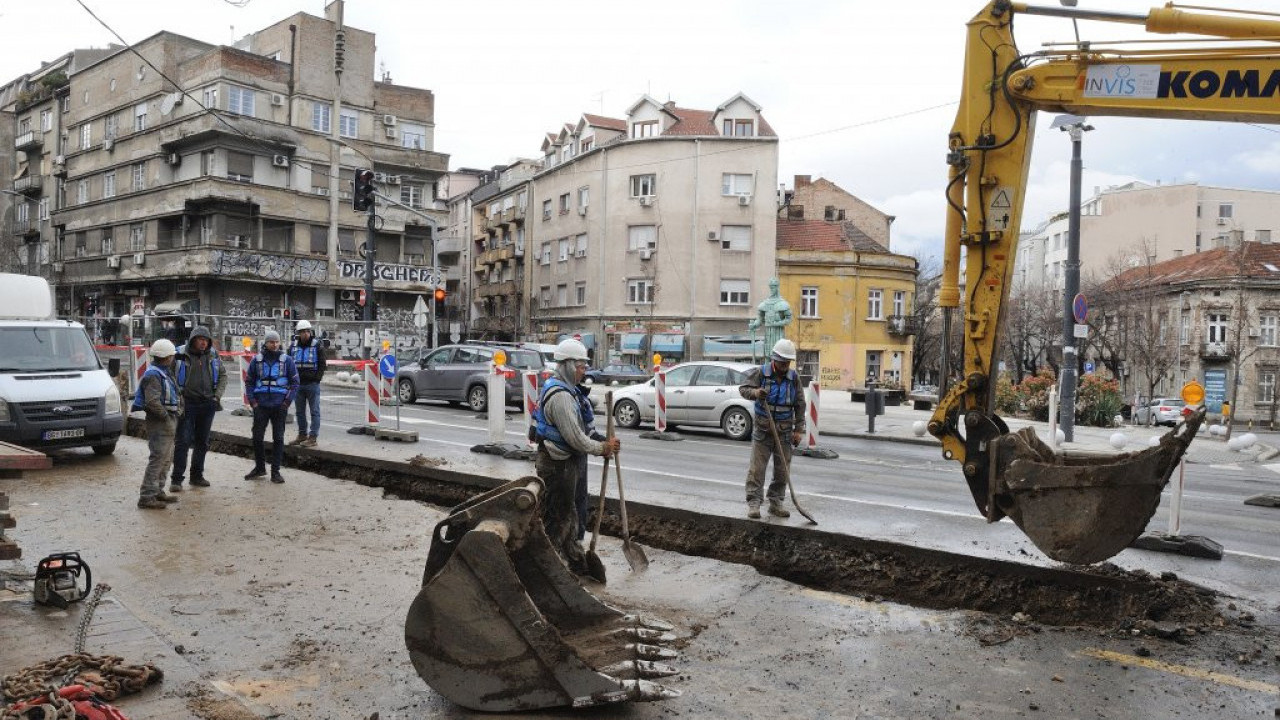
(633, 552)
(595, 566)
(786, 467)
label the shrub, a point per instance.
(1033, 393)
(1006, 395)
(1098, 401)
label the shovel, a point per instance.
(777, 443)
(633, 552)
(595, 567)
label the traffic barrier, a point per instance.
(373, 392)
(141, 360)
(660, 401)
(530, 388)
(812, 431)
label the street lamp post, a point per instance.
(1076, 127)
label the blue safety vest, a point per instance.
(550, 433)
(782, 393)
(305, 358)
(272, 378)
(183, 360)
(168, 389)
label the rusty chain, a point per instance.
(52, 707)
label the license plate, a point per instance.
(61, 434)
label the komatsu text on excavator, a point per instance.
(1076, 510)
(500, 623)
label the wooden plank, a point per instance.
(16, 457)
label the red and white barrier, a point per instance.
(660, 401)
(811, 424)
(372, 394)
(244, 359)
(141, 360)
(529, 384)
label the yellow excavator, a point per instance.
(1075, 509)
(500, 624)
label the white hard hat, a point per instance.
(303, 325)
(784, 349)
(570, 349)
(163, 348)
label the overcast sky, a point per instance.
(862, 93)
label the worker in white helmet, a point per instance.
(158, 395)
(775, 388)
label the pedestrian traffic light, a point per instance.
(362, 192)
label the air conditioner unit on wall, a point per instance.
(645, 253)
(391, 133)
(646, 200)
(175, 159)
(280, 161)
(744, 200)
(113, 262)
(277, 100)
(389, 120)
(349, 295)
(109, 143)
(713, 236)
(393, 179)
(582, 210)
(1223, 221)
(139, 258)
(1255, 332)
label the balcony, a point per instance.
(28, 140)
(29, 184)
(24, 228)
(496, 289)
(1215, 351)
(506, 253)
(493, 223)
(903, 325)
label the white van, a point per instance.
(54, 392)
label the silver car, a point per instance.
(703, 394)
(457, 374)
(1160, 411)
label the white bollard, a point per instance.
(529, 385)
(497, 386)
(1119, 440)
(660, 401)
(811, 427)
(1056, 436)
(372, 393)
(1153, 441)
(1175, 500)
(919, 427)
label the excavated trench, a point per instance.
(1103, 596)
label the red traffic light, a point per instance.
(440, 295)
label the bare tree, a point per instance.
(1032, 324)
(926, 344)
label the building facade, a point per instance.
(498, 291)
(214, 181)
(822, 199)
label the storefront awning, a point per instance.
(671, 343)
(633, 342)
(178, 307)
(732, 346)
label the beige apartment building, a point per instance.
(652, 232)
(203, 180)
(499, 219)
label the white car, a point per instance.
(703, 394)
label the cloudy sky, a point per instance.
(861, 93)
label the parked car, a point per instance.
(1160, 411)
(703, 394)
(548, 353)
(458, 374)
(621, 373)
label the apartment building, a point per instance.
(500, 216)
(206, 179)
(651, 232)
(821, 199)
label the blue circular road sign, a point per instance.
(1079, 308)
(387, 366)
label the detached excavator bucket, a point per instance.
(1083, 510)
(501, 623)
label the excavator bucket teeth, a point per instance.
(1083, 510)
(501, 624)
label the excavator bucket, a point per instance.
(501, 624)
(1083, 509)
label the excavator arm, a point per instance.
(1078, 510)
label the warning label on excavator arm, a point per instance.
(999, 208)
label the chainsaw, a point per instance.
(58, 580)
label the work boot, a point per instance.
(298, 440)
(176, 487)
(277, 478)
(199, 481)
(163, 496)
(776, 509)
(753, 510)
(152, 504)
(308, 441)
(256, 474)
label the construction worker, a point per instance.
(775, 387)
(562, 437)
(308, 357)
(201, 380)
(158, 395)
(272, 383)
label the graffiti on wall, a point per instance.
(269, 267)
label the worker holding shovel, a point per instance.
(775, 388)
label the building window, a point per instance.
(1266, 386)
(809, 302)
(413, 136)
(348, 123)
(642, 237)
(581, 250)
(1262, 236)
(140, 176)
(875, 305)
(82, 192)
(580, 293)
(522, 200)
(411, 195)
(1267, 330)
(109, 185)
(644, 185)
(562, 295)
(320, 117)
(137, 237)
(1217, 328)
(735, 237)
(140, 117)
(564, 249)
(46, 120)
(239, 166)
(546, 253)
(1225, 210)
(735, 292)
(111, 126)
(86, 136)
(546, 209)
(240, 100)
(108, 243)
(648, 128)
(567, 152)
(584, 197)
(209, 98)
(564, 203)
(1184, 331)
(736, 184)
(639, 292)
(23, 212)
(739, 128)
(587, 144)
(831, 213)
(42, 208)
(899, 303)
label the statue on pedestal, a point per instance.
(774, 314)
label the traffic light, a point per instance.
(439, 296)
(362, 192)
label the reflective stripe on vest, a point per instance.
(304, 358)
(782, 393)
(271, 379)
(168, 389)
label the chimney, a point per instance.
(803, 181)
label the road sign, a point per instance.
(420, 314)
(1080, 308)
(1088, 367)
(387, 366)
(1080, 331)
(362, 298)
(454, 337)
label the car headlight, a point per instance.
(111, 398)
